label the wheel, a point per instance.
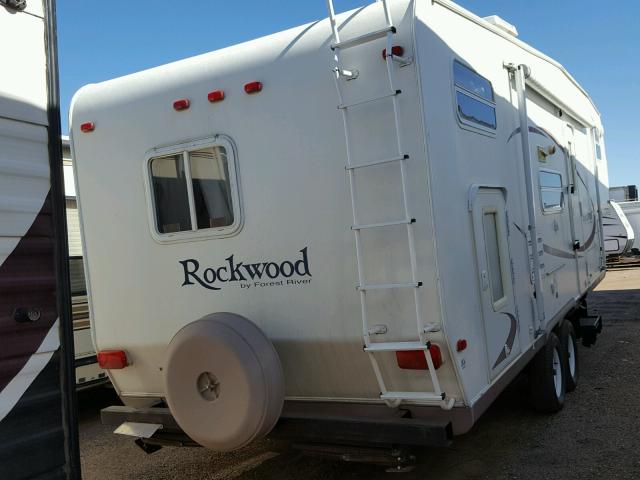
(569, 343)
(546, 377)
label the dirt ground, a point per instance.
(596, 435)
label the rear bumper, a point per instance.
(307, 428)
(414, 432)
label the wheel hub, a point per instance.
(208, 386)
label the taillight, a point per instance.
(461, 345)
(112, 359)
(416, 360)
(396, 51)
(87, 127)
(181, 104)
(253, 87)
(216, 96)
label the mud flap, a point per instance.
(590, 326)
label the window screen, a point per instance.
(474, 97)
(494, 263)
(192, 190)
(551, 191)
(211, 187)
(170, 194)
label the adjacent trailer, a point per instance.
(354, 232)
(618, 233)
(88, 372)
(631, 210)
(38, 432)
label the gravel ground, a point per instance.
(594, 437)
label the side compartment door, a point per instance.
(494, 278)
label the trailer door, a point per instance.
(584, 225)
(559, 279)
(38, 432)
(495, 278)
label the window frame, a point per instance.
(562, 189)
(234, 180)
(463, 122)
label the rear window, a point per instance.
(475, 102)
(194, 190)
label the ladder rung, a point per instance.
(395, 346)
(389, 286)
(369, 100)
(378, 162)
(359, 40)
(405, 221)
(411, 396)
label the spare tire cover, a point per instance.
(223, 381)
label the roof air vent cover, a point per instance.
(502, 24)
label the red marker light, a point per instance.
(461, 345)
(181, 104)
(112, 359)
(253, 87)
(396, 51)
(216, 96)
(87, 127)
(416, 360)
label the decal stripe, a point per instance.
(14, 390)
(592, 236)
(27, 280)
(539, 131)
(557, 253)
(510, 339)
(32, 435)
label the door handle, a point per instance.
(484, 280)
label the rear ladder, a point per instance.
(341, 74)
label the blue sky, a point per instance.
(597, 42)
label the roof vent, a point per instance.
(502, 24)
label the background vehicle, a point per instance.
(631, 210)
(618, 233)
(38, 432)
(88, 372)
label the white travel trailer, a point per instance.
(617, 231)
(373, 273)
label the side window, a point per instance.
(551, 191)
(494, 260)
(598, 152)
(194, 190)
(475, 101)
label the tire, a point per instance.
(569, 343)
(546, 377)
